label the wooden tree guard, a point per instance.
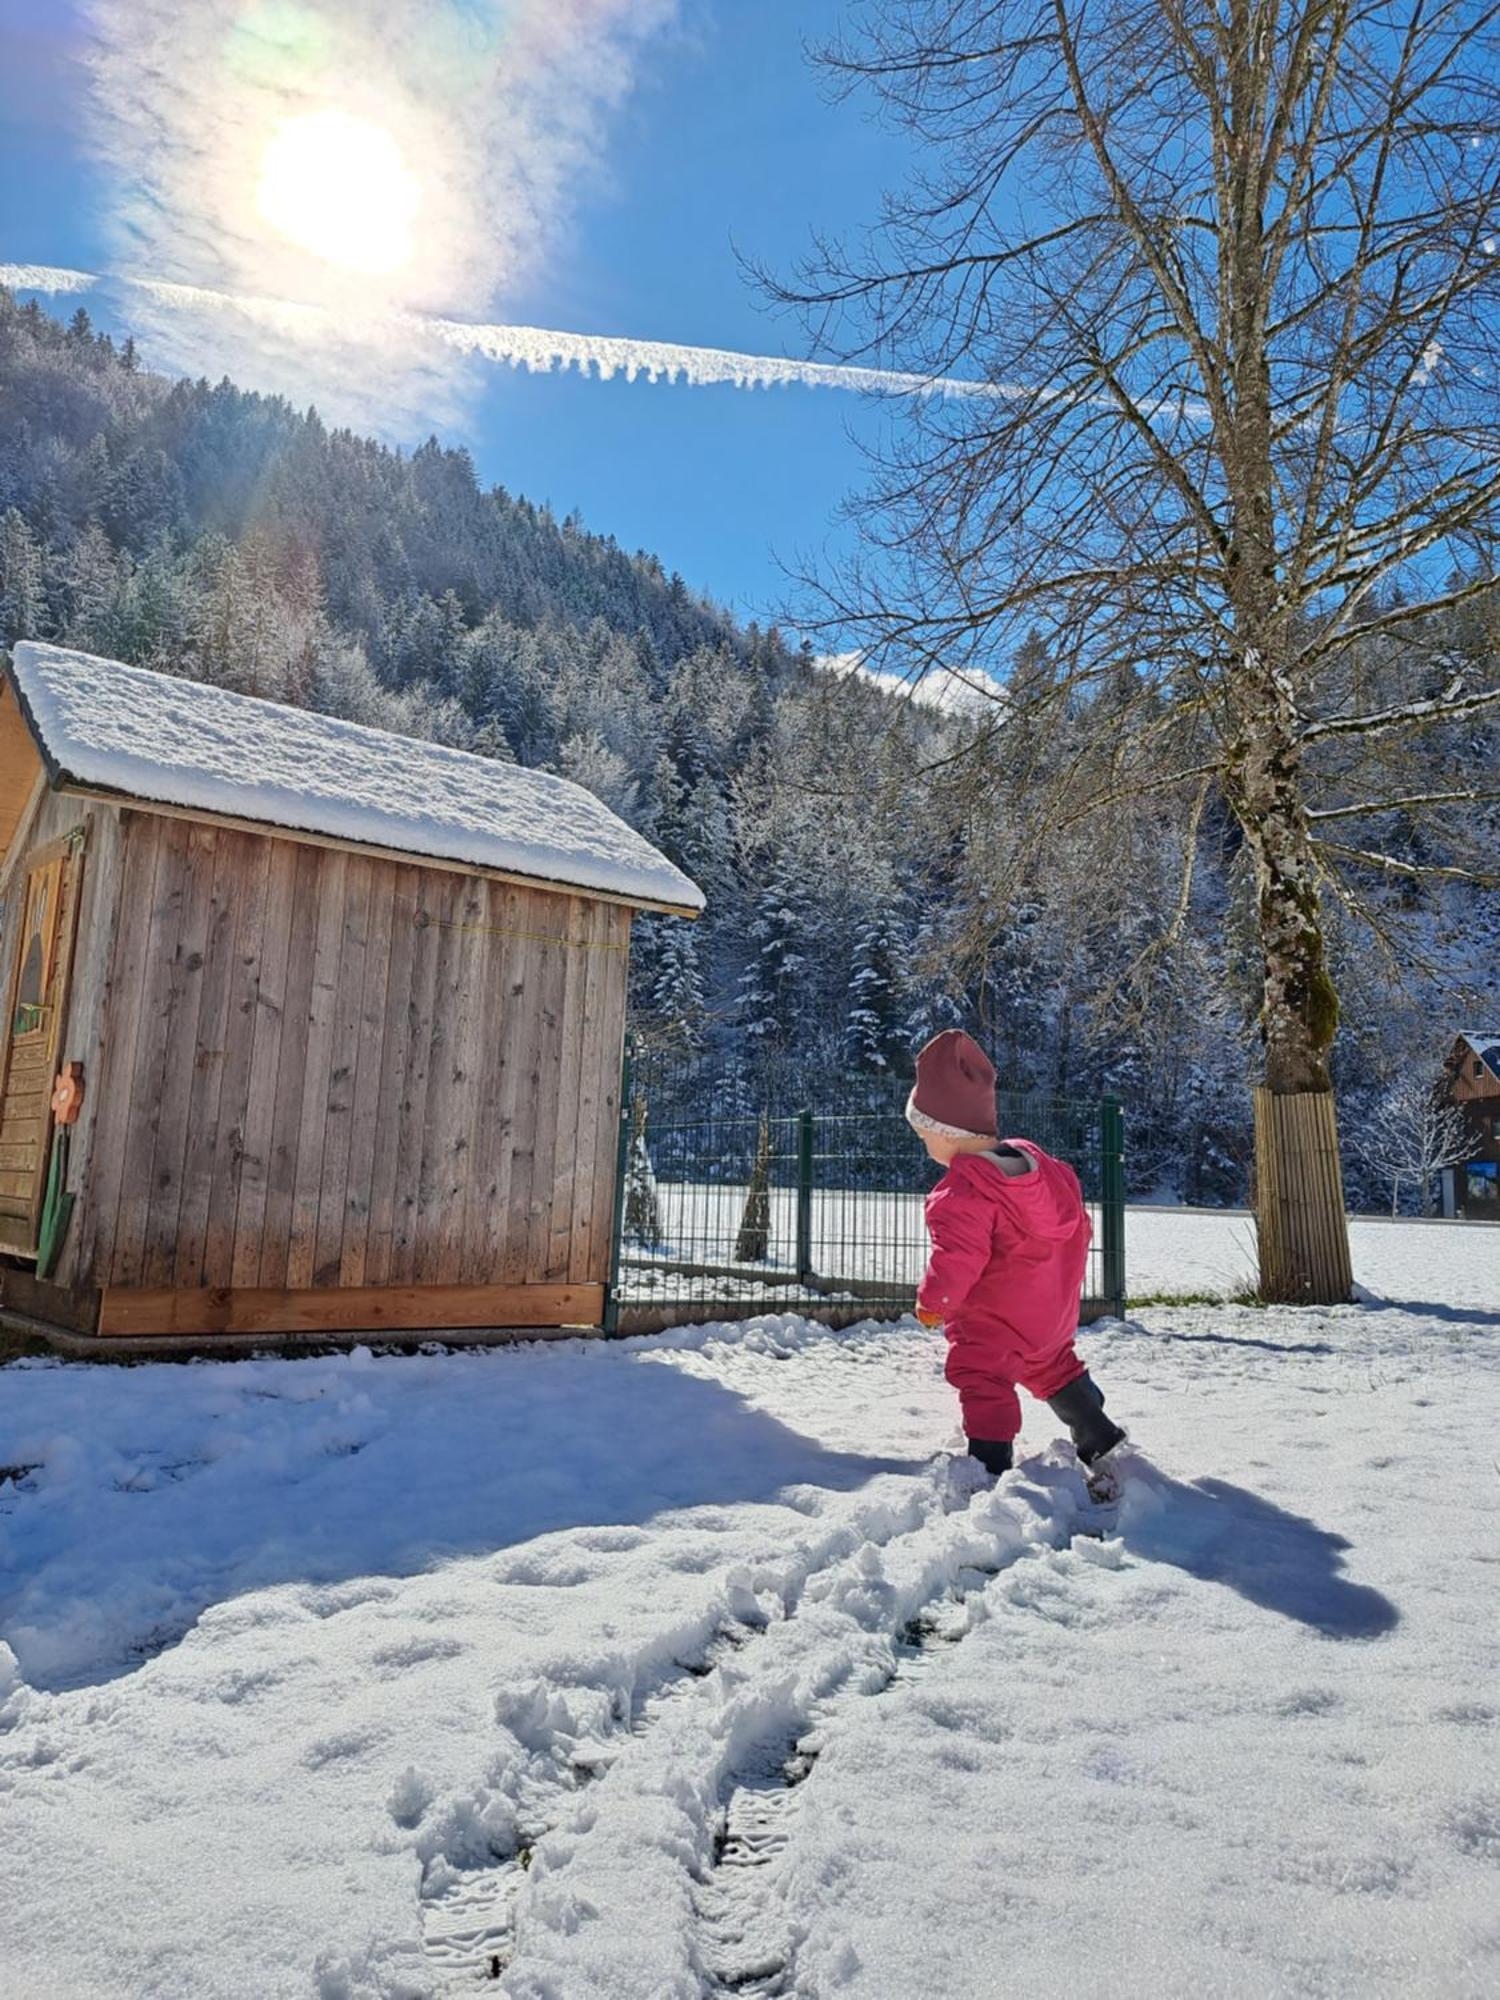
(1299, 1200)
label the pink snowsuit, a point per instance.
(1005, 1276)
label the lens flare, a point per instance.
(339, 187)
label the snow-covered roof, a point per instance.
(149, 736)
(1486, 1045)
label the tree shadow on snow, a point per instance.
(1279, 1560)
(318, 1474)
(1245, 1340)
(1425, 1309)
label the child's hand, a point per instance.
(926, 1318)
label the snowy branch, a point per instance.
(1474, 795)
(1412, 870)
(1412, 715)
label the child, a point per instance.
(1010, 1238)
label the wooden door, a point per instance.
(45, 907)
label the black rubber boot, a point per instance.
(995, 1455)
(1081, 1407)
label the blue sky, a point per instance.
(726, 141)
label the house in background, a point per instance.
(310, 1029)
(1472, 1082)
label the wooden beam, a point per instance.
(75, 1307)
(23, 775)
(269, 830)
(358, 1309)
(123, 1348)
(20, 832)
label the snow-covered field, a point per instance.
(692, 1666)
(1184, 1250)
(1175, 1251)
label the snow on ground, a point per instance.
(369, 1676)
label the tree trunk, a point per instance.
(642, 1209)
(1303, 1229)
(753, 1244)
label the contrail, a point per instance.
(539, 350)
(46, 278)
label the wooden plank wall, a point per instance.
(325, 1070)
(20, 767)
(83, 1026)
(55, 816)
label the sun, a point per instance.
(339, 186)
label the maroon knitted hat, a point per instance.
(954, 1094)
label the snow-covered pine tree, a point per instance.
(929, 1001)
(22, 607)
(88, 589)
(156, 611)
(874, 1039)
(146, 500)
(773, 1000)
(674, 997)
(706, 839)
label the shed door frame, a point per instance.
(19, 1227)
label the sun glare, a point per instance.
(338, 186)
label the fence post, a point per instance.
(1112, 1200)
(610, 1319)
(804, 1198)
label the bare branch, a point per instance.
(1413, 715)
(1414, 871)
(1474, 796)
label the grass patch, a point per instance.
(1247, 1297)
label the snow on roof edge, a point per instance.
(506, 804)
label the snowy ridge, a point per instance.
(182, 743)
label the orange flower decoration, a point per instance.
(67, 1094)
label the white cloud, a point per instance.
(498, 109)
(945, 688)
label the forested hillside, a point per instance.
(860, 895)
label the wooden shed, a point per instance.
(337, 1018)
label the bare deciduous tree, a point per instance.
(642, 1206)
(1412, 1134)
(1213, 290)
(752, 1245)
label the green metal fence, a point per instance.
(818, 1212)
